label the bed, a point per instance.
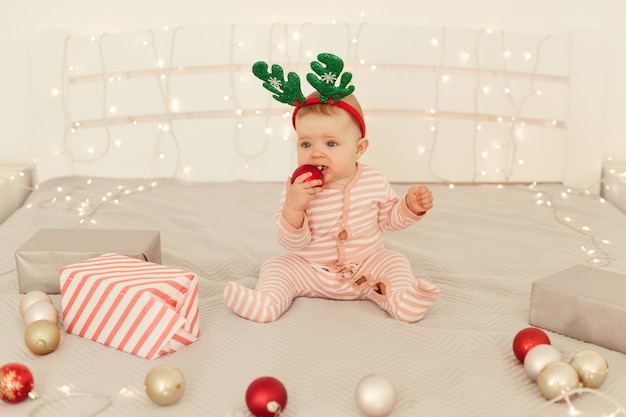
(167, 130)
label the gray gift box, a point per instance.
(582, 302)
(39, 259)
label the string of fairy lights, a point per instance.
(164, 72)
(281, 40)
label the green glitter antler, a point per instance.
(328, 75)
(285, 90)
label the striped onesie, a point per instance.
(338, 254)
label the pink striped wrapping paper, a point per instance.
(140, 307)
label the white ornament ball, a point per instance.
(41, 310)
(32, 297)
(557, 378)
(592, 368)
(538, 357)
(375, 395)
(165, 384)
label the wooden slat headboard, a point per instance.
(442, 104)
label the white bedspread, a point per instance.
(482, 245)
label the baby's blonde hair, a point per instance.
(328, 109)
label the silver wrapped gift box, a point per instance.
(582, 302)
(39, 259)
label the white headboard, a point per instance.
(442, 104)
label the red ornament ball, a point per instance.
(316, 174)
(526, 339)
(266, 397)
(16, 382)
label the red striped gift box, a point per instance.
(140, 307)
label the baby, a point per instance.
(334, 228)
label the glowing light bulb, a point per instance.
(174, 105)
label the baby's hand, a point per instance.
(419, 199)
(301, 192)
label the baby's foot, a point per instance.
(411, 304)
(250, 304)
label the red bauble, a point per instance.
(526, 339)
(316, 174)
(16, 382)
(266, 397)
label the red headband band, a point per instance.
(342, 104)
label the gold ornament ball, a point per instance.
(42, 337)
(557, 378)
(592, 368)
(165, 384)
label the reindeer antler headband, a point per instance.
(328, 71)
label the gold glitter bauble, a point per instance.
(42, 337)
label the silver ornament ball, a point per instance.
(538, 357)
(375, 395)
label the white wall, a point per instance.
(22, 20)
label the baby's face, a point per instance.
(332, 142)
